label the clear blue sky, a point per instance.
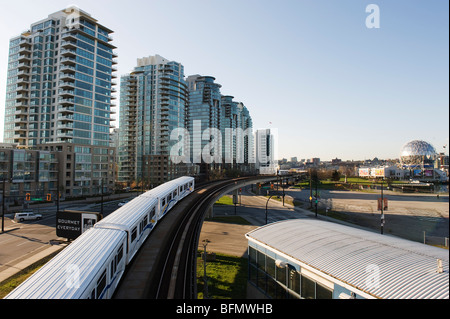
(333, 87)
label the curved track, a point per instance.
(166, 265)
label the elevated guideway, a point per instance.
(165, 267)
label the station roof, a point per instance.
(407, 269)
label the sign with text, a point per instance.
(71, 224)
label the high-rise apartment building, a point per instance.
(60, 89)
(237, 133)
(60, 82)
(204, 117)
(152, 104)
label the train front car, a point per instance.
(89, 268)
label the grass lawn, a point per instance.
(225, 200)
(227, 277)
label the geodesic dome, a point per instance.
(416, 153)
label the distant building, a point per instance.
(265, 152)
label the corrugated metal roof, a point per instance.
(130, 213)
(407, 269)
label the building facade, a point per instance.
(237, 135)
(56, 169)
(153, 104)
(60, 86)
(60, 82)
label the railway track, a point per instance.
(166, 265)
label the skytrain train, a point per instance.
(92, 266)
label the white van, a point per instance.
(27, 215)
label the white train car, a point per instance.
(137, 219)
(92, 266)
(168, 194)
(89, 268)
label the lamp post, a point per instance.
(382, 206)
(267, 204)
(3, 205)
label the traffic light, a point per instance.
(28, 196)
(49, 197)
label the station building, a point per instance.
(312, 259)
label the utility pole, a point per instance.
(102, 198)
(317, 196)
(310, 189)
(382, 206)
(3, 205)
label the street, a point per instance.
(22, 240)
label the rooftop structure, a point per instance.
(348, 262)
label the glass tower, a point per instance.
(60, 82)
(152, 104)
(203, 121)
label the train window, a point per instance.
(134, 234)
(152, 214)
(163, 202)
(101, 284)
(120, 254)
(112, 270)
(93, 294)
(143, 224)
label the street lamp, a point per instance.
(267, 205)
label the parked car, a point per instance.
(123, 203)
(26, 215)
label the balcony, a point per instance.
(23, 73)
(69, 36)
(68, 69)
(66, 85)
(68, 53)
(24, 58)
(24, 65)
(66, 109)
(68, 44)
(64, 135)
(21, 120)
(68, 61)
(66, 93)
(66, 76)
